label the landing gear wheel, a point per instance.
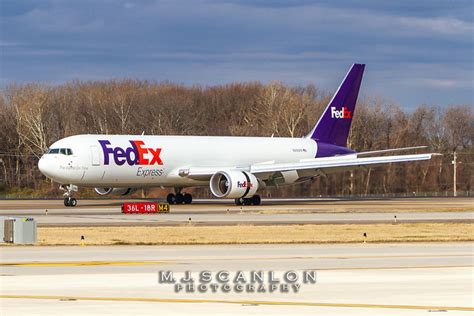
(256, 200)
(179, 198)
(70, 201)
(239, 201)
(171, 198)
(188, 198)
(68, 195)
(247, 201)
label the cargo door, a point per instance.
(95, 156)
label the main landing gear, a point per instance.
(179, 198)
(254, 200)
(70, 189)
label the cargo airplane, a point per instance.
(232, 167)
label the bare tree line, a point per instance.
(32, 116)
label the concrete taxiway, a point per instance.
(274, 211)
(356, 279)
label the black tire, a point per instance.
(66, 201)
(179, 198)
(238, 201)
(171, 198)
(188, 198)
(72, 202)
(247, 201)
(256, 200)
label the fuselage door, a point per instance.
(95, 156)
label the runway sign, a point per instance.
(145, 207)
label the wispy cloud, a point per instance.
(438, 83)
(439, 25)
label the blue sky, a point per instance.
(417, 52)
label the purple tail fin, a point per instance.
(334, 125)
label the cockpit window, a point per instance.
(63, 151)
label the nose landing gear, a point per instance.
(70, 189)
(69, 201)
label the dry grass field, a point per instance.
(249, 234)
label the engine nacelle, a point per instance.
(233, 184)
(114, 191)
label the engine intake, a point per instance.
(233, 184)
(114, 191)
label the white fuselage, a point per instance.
(162, 158)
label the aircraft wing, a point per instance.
(306, 168)
(336, 162)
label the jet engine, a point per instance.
(233, 184)
(114, 191)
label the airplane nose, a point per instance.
(45, 166)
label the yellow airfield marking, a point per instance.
(82, 263)
(249, 302)
(140, 263)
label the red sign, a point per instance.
(145, 207)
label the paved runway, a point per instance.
(356, 279)
(282, 211)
